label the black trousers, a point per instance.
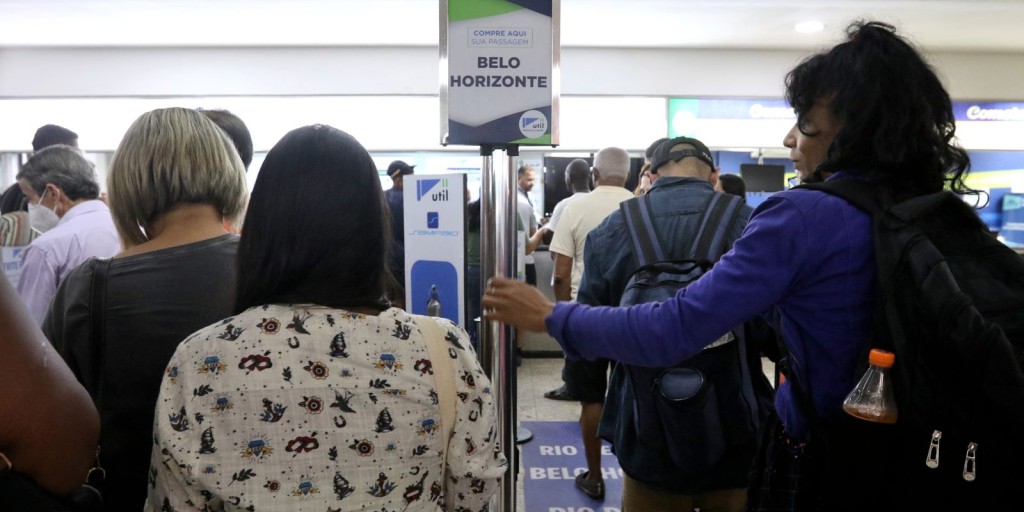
(531, 274)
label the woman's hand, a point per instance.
(517, 304)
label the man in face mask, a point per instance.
(61, 189)
(14, 227)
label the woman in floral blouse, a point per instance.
(316, 395)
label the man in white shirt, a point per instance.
(577, 179)
(61, 189)
(587, 380)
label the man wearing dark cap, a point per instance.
(686, 177)
(397, 171)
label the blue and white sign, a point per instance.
(10, 258)
(965, 111)
(551, 462)
(499, 63)
(754, 109)
(699, 117)
(435, 248)
(706, 108)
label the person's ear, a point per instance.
(53, 191)
(713, 178)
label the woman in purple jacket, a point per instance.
(871, 109)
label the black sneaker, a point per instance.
(561, 393)
(594, 490)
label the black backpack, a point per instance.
(699, 411)
(950, 305)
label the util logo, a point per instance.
(424, 187)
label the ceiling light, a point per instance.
(809, 27)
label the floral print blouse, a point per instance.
(298, 407)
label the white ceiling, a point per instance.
(947, 25)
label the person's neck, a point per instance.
(68, 204)
(183, 224)
(580, 190)
(611, 183)
(685, 174)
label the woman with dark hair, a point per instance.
(316, 394)
(869, 109)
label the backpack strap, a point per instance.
(639, 216)
(859, 193)
(444, 380)
(876, 200)
(97, 312)
(98, 344)
(718, 216)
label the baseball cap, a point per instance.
(399, 167)
(665, 154)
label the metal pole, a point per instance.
(488, 262)
(507, 252)
(497, 346)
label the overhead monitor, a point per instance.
(763, 178)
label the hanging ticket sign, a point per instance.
(499, 72)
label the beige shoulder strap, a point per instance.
(444, 380)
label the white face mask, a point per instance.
(41, 218)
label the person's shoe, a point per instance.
(589, 487)
(561, 393)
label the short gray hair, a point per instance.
(65, 167)
(612, 163)
(169, 157)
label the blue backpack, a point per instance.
(705, 409)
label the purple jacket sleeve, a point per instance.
(753, 276)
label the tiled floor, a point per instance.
(537, 376)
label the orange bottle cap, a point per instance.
(881, 358)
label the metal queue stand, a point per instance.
(467, 58)
(498, 253)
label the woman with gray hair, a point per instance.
(174, 179)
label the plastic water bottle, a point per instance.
(434, 304)
(872, 399)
